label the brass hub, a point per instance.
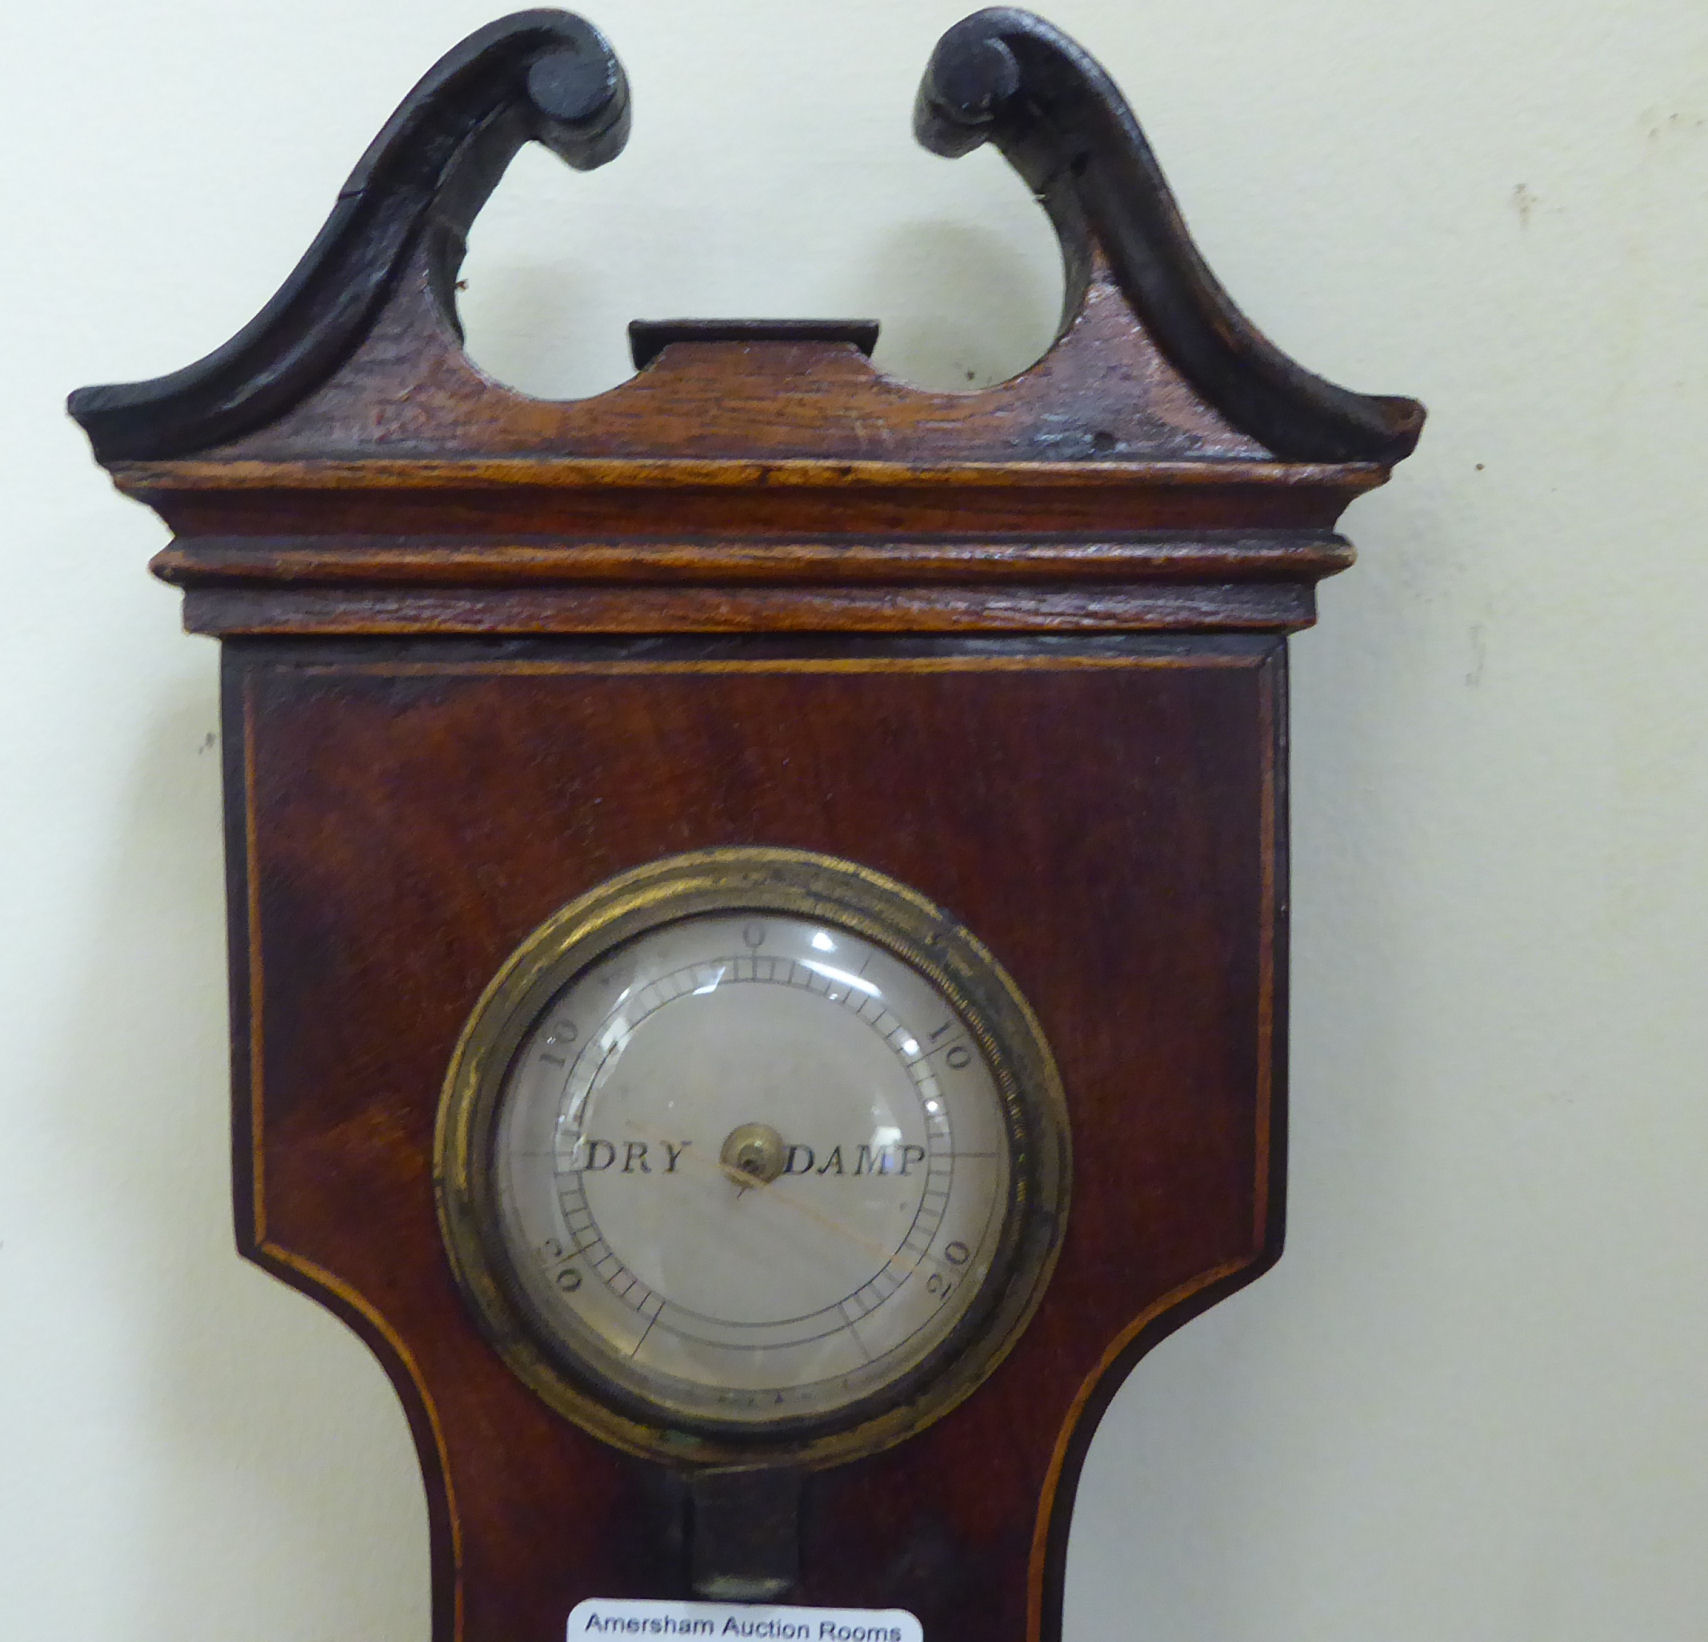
(754, 1154)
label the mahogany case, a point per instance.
(1022, 648)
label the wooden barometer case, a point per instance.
(757, 899)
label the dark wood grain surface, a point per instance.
(1105, 816)
(1021, 648)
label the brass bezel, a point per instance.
(759, 879)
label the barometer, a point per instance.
(752, 1154)
(758, 899)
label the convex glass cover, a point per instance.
(752, 1149)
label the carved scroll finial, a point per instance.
(545, 76)
(1006, 76)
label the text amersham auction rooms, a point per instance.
(776, 1630)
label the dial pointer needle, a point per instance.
(882, 1251)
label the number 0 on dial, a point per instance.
(752, 1152)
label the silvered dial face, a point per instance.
(750, 1168)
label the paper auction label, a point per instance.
(617, 1616)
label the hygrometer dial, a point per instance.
(752, 1151)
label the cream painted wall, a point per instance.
(1470, 1404)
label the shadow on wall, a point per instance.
(281, 1486)
(988, 313)
(961, 306)
(1229, 1479)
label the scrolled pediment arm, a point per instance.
(1005, 76)
(545, 76)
